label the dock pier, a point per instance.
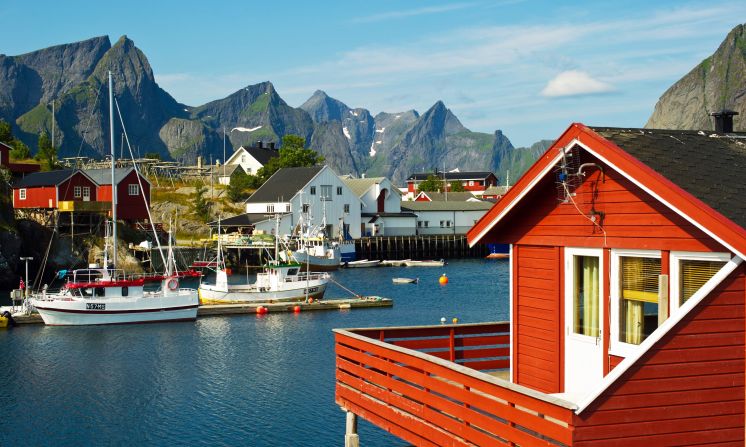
(421, 246)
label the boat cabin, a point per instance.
(626, 308)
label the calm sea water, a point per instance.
(240, 380)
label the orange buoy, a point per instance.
(296, 309)
(310, 300)
(261, 310)
(455, 320)
(443, 279)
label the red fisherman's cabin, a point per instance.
(627, 308)
(45, 190)
(131, 188)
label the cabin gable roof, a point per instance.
(663, 177)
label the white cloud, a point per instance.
(574, 83)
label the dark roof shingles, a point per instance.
(284, 184)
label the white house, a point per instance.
(253, 158)
(380, 212)
(318, 189)
(452, 217)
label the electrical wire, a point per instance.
(569, 196)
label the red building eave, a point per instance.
(691, 208)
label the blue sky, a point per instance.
(529, 68)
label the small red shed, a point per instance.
(626, 308)
(133, 191)
(471, 180)
(47, 189)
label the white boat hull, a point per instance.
(181, 306)
(317, 263)
(363, 263)
(248, 293)
(424, 263)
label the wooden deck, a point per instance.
(444, 385)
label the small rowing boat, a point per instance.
(405, 280)
(363, 263)
(430, 263)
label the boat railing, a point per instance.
(303, 277)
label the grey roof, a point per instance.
(49, 178)
(262, 155)
(360, 185)
(463, 175)
(496, 190)
(284, 184)
(227, 169)
(103, 176)
(709, 166)
(445, 206)
(403, 214)
(242, 220)
(456, 196)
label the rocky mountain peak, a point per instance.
(718, 82)
(324, 108)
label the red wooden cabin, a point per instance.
(47, 189)
(15, 168)
(130, 191)
(471, 181)
(627, 308)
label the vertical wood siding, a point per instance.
(537, 318)
(687, 390)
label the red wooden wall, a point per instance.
(536, 317)
(128, 207)
(632, 218)
(687, 390)
(541, 227)
(66, 189)
(37, 197)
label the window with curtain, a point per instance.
(693, 274)
(586, 296)
(638, 305)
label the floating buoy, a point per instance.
(442, 320)
(443, 279)
(296, 309)
(310, 300)
(455, 320)
(261, 310)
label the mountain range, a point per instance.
(352, 140)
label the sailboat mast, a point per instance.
(113, 164)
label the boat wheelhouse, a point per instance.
(626, 308)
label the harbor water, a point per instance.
(240, 380)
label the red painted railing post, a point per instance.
(452, 344)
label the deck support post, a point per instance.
(351, 437)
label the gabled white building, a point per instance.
(253, 158)
(318, 189)
(453, 217)
(381, 213)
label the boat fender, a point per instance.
(172, 284)
(7, 315)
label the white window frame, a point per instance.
(133, 187)
(325, 197)
(77, 191)
(616, 347)
(674, 281)
(87, 192)
(270, 208)
(22, 194)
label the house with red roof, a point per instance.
(626, 301)
(48, 190)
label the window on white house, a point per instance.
(77, 191)
(442, 223)
(305, 208)
(22, 194)
(133, 189)
(270, 208)
(326, 192)
(313, 190)
(347, 208)
(448, 223)
(427, 223)
(339, 190)
(287, 207)
(419, 224)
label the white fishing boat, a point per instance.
(426, 263)
(289, 281)
(314, 247)
(106, 295)
(363, 263)
(405, 280)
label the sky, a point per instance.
(528, 68)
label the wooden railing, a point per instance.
(440, 385)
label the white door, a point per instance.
(583, 320)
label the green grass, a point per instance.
(169, 195)
(35, 119)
